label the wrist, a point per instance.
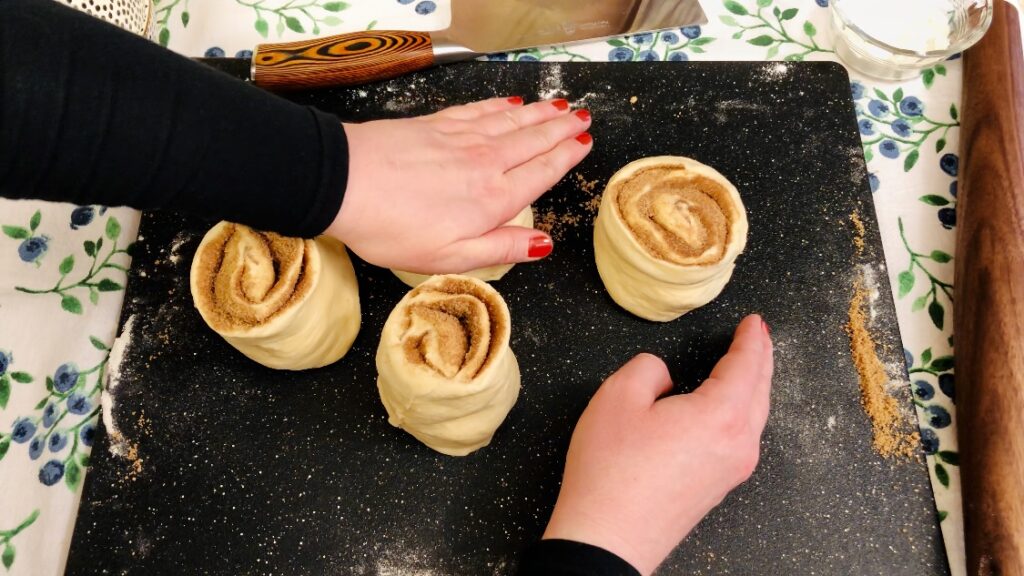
(338, 225)
(580, 526)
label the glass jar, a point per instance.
(897, 39)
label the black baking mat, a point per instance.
(244, 470)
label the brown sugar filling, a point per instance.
(676, 216)
(247, 278)
(454, 326)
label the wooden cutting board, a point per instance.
(243, 470)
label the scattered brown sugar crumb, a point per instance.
(554, 224)
(134, 463)
(129, 451)
(144, 424)
(858, 227)
(585, 185)
(633, 100)
(890, 430)
(545, 222)
(593, 205)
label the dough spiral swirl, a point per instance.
(286, 303)
(667, 235)
(446, 373)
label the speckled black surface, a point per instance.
(250, 471)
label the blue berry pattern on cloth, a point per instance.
(63, 423)
(668, 45)
(82, 216)
(32, 245)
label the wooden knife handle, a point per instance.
(989, 306)
(343, 60)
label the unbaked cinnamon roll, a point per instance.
(286, 303)
(446, 373)
(667, 236)
(489, 274)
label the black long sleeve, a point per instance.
(91, 114)
(568, 558)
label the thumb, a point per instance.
(504, 245)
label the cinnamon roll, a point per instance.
(286, 303)
(446, 373)
(667, 236)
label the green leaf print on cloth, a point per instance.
(8, 553)
(908, 280)
(770, 31)
(107, 270)
(163, 11)
(299, 16)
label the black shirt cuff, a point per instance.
(568, 558)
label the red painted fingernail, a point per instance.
(585, 138)
(766, 328)
(561, 104)
(540, 246)
(516, 100)
(583, 115)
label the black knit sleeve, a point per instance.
(568, 558)
(91, 114)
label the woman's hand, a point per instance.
(430, 194)
(642, 472)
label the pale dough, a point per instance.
(446, 373)
(489, 274)
(286, 303)
(667, 236)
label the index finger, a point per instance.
(532, 179)
(475, 110)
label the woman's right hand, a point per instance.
(643, 469)
(430, 194)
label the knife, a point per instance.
(477, 27)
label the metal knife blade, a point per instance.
(486, 26)
(478, 27)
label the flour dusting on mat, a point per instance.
(120, 446)
(404, 560)
(774, 71)
(551, 86)
(179, 241)
(869, 281)
(117, 355)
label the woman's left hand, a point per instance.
(430, 194)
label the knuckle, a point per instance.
(510, 252)
(481, 155)
(548, 169)
(731, 423)
(449, 125)
(512, 120)
(547, 138)
(745, 461)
